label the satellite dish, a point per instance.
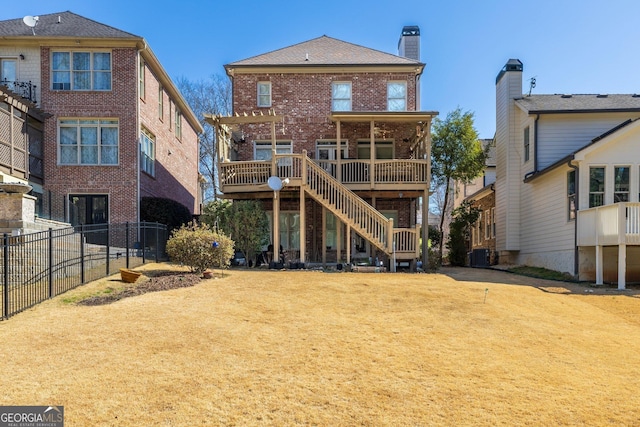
(274, 183)
(31, 22)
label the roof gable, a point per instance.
(63, 24)
(324, 51)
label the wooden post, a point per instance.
(324, 236)
(274, 161)
(338, 153)
(622, 266)
(276, 227)
(303, 216)
(372, 155)
(348, 239)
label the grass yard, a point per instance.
(463, 347)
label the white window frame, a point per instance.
(526, 142)
(71, 71)
(604, 186)
(142, 79)
(493, 222)
(160, 102)
(616, 192)
(88, 123)
(571, 196)
(487, 224)
(394, 99)
(178, 124)
(335, 99)
(264, 98)
(148, 152)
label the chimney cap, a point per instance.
(511, 65)
(411, 30)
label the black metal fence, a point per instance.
(38, 266)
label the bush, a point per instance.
(199, 247)
(165, 211)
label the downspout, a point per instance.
(575, 222)
(535, 143)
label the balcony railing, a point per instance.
(614, 224)
(355, 174)
(26, 90)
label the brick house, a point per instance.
(305, 119)
(480, 192)
(115, 127)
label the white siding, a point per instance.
(29, 67)
(562, 134)
(547, 235)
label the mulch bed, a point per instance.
(162, 281)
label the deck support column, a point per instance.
(599, 259)
(338, 153)
(303, 217)
(622, 266)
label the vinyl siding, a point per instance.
(562, 134)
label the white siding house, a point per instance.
(567, 180)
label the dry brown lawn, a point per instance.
(332, 349)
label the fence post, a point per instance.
(108, 248)
(144, 241)
(126, 237)
(157, 242)
(50, 262)
(5, 288)
(81, 253)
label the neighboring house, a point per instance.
(481, 194)
(114, 128)
(568, 181)
(340, 126)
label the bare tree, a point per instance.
(210, 96)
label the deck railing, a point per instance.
(352, 171)
(613, 224)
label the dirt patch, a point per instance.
(157, 281)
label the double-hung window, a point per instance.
(487, 224)
(341, 96)
(141, 78)
(88, 141)
(397, 96)
(161, 102)
(527, 144)
(571, 194)
(147, 152)
(264, 94)
(81, 71)
(621, 184)
(596, 186)
(178, 126)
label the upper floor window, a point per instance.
(178, 126)
(88, 141)
(621, 184)
(141, 76)
(571, 194)
(264, 94)
(147, 152)
(81, 71)
(596, 186)
(397, 96)
(341, 96)
(526, 144)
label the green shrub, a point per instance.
(199, 247)
(165, 211)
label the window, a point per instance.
(478, 231)
(88, 142)
(341, 96)
(487, 224)
(178, 126)
(81, 71)
(493, 222)
(263, 149)
(621, 184)
(147, 152)
(384, 149)
(526, 144)
(290, 230)
(397, 96)
(9, 72)
(141, 78)
(160, 102)
(571, 194)
(596, 186)
(264, 94)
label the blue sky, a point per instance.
(569, 46)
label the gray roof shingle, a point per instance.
(579, 103)
(325, 51)
(68, 25)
